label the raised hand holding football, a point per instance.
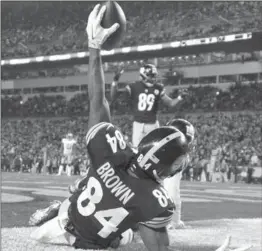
(113, 14)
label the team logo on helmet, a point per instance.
(162, 153)
(185, 127)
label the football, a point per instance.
(113, 14)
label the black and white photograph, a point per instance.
(131, 125)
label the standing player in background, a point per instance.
(47, 158)
(145, 95)
(68, 149)
(214, 160)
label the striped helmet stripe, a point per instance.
(93, 130)
(158, 145)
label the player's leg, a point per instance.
(61, 166)
(150, 127)
(54, 228)
(137, 133)
(212, 167)
(172, 185)
(48, 231)
(69, 165)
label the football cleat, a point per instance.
(43, 215)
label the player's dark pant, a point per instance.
(250, 171)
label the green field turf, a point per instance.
(212, 211)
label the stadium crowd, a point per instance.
(204, 98)
(239, 134)
(46, 28)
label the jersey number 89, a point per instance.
(93, 194)
(146, 101)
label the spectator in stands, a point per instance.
(25, 135)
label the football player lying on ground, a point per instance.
(122, 187)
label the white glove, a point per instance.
(96, 34)
(226, 244)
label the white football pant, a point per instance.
(172, 185)
(54, 229)
(140, 130)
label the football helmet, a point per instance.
(148, 73)
(185, 127)
(161, 153)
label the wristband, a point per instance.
(94, 44)
(179, 97)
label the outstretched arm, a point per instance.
(99, 108)
(171, 102)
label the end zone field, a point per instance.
(212, 211)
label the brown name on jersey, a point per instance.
(113, 182)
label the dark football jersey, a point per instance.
(111, 201)
(145, 101)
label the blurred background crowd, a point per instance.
(216, 115)
(200, 99)
(229, 120)
(48, 28)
